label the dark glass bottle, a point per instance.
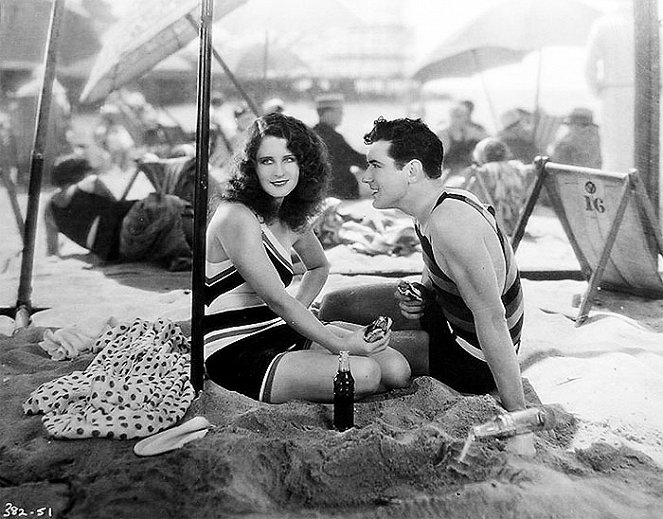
(344, 394)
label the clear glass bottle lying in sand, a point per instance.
(511, 424)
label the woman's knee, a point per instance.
(396, 371)
(367, 375)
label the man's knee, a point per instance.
(333, 305)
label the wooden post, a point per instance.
(200, 196)
(647, 96)
(23, 303)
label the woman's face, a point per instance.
(277, 168)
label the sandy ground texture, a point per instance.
(603, 459)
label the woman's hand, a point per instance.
(413, 308)
(357, 345)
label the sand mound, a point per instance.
(287, 461)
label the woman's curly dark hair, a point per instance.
(314, 172)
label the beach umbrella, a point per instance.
(24, 26)
(504, 33)
(148, 34)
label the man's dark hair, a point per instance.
(410, 139)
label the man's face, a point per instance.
(388, 183)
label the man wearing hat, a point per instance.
(577, 142)
(343, 157)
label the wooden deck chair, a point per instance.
(13, 199)
(610, 223)
(172, 176)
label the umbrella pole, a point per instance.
(23, 303)
(229, 73)
(200, 196)
(537, 93)
(477, 67)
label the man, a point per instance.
(480, 129)
(466, 331)
(518, 134)
(459, 138)
(577, 142)
(344, 158)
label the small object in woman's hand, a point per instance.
(377, 329)
(410, 290)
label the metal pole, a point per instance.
(23, 303)
(229, 73)
(647, 95)
(200, 196)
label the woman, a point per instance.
(505, 180)
(260, 340)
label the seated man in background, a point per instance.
(518, 134)
(465, 328)
(86, 211)
(459, 138)
(577, 142)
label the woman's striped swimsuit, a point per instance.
(244, 338)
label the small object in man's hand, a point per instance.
(410, 290)
(377, 329)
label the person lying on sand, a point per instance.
(86, 211)
(465, 329)
(259, 340)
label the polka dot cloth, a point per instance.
(136, 386)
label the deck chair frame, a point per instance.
(632, 188)
(9, 185)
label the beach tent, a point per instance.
(610, 223)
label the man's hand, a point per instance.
(412, 308)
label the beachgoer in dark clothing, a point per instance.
(459, 138)
(344, 158)
(86, 211)
(518, 134)
(577, 142)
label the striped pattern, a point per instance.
(455, 310)
(233, 310)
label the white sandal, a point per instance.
(173, 438)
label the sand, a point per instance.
(604, 458)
